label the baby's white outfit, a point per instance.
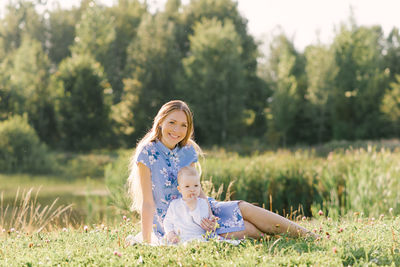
(184, 222)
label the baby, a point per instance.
(184, 215)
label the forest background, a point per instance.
(94, 76)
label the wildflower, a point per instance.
(124, 218)
(334, 249)
(116, 253)
(140, 260)
(320, 213)
(12, 230)
(340, 230)
(65, 229)
(390, 210)
(381, 216)
(304, 218)
(85, 228)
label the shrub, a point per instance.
(116, 175)
(21, 149)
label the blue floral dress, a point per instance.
(164, 165)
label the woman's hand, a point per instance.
(209, 224)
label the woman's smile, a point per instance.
(173, 129)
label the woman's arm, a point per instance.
(148, 207)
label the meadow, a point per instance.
(345, 192)
(351, 241)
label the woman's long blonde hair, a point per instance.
(134, 186)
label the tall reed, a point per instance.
(28, 216)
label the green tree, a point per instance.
(320, 71)
(285, 70)
(8, 97)
(21, 18)
(29, 79)
(127, 15)
(61, 31)
(257, 91)
(215, 77)
(95, 34)
(357, 93)
(392, 53)
(391, 105)
(84, 103)
(153, 61)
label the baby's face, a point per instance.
(189, 187)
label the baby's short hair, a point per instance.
(187, 171)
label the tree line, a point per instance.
(94, 76)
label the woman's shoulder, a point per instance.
(147, 147)
(188, 148)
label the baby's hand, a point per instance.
(209, 224)
(172, 238)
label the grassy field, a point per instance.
(350, 241)
(355, 184)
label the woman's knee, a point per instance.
(244, 208)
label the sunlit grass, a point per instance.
(27, 215)
(353, 240)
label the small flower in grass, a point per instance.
(304, 218)
(340, 230)
(381, 217)
(85, 228)
(116, 253)
(30, 245)
(320, 213)
(47, 241)
(12, 230)
(328, 235)
(65, 229)
(391, 211)
(124, 218)
(334, 249)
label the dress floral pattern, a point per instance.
(164, 165)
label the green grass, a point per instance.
(350, 185)
(351, 241)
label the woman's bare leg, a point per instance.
(270, 222)
(249, 231)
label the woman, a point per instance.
(160, 154)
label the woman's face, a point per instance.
(174, 128)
